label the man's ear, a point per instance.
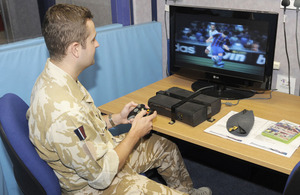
(74, 49)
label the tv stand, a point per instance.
(221, 91)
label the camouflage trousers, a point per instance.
(154, 152)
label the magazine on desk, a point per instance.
(256, 138)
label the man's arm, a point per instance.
(120, 118)
(226, 47)
(141, 126)
(209, 39)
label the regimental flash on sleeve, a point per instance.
(80, 133)
(87, 146)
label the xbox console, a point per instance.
(185, 106)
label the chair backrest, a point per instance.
(292, 186)
(33, 175)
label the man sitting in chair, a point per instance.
(70, 133)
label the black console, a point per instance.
(186, 106)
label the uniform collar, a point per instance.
(63, 78)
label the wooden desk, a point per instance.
(281, 106)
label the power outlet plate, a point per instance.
(167, 8)
(276, 65)
(291, 6)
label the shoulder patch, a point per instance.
(80, 133)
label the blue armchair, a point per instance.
(33, 175)
(292, 186)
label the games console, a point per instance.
(186, 106)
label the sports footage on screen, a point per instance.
(229, 46)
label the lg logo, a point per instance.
(185, 49)
(216, 77)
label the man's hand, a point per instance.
(126, 110)
(141, 124)
(121, 118)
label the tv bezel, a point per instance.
(228, 79)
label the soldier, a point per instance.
(70, 133)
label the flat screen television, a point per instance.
(230, 51)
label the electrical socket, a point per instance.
(291, 6)
(276, 65)
(167, 8)
(282, 84)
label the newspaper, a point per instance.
(255, 137)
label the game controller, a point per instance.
(138, 109)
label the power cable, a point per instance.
(167, 38)
(297, 4)
(286, 3)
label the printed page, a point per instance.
(255, 137)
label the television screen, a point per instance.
(231, 49)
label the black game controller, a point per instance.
(138, 109)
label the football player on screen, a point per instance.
(220, 42)
(212, 31)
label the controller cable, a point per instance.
(238, 101)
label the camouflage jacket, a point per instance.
(69, 132)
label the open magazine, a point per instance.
(256, 138)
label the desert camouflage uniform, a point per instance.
(89, 165)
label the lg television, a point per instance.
(230, 51)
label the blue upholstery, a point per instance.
(22, 62)
(128, 59)
(292, 186)
(33, 175)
